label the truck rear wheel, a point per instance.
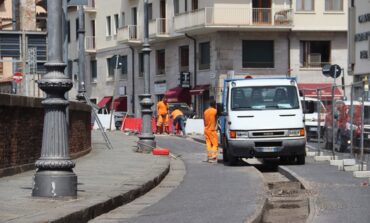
(301, 159)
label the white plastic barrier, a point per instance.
(194, 126)
(105, 120)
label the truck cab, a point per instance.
(262, 118)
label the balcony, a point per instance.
(158, 28)
(234, 17)
(129, 34)
(90, 7)
(90, 46)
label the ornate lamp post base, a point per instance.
(146, 139)
(49, 183)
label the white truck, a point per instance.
(262, 118)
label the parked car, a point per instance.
(311, 121)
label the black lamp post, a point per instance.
(146, 138)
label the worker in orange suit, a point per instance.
(210, 132)
(178, 119)
(162, 120)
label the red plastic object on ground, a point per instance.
(161, 151)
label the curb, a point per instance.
(291, 175)
(88, 213)
(256, 217)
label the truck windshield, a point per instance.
(264, 98)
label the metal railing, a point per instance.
(262, 16)
(158, 26)
(345, 131)
(90, 44)
(234, 16)
(128, 33)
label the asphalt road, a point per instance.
(209, 192)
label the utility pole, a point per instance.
(146, 138)
(81, 54)
(54, 175)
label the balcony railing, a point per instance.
(90, 7)
(90, 44)
(233, 17)
(128, 34)
(158, 27)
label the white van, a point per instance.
(311, 117)
(262, 118)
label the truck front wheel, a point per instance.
(229, 159)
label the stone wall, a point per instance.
(21, 124)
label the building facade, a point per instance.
(22, 45)
(359, 45)
(207, 41)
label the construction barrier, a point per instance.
(134, 125)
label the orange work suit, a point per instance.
(210, 132)
(162, 110)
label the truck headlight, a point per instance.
(242, 134)
(238, 134)
(296, 132)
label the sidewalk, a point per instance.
(106, 179)
(335, 196)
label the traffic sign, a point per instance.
(326, 70)
(18, 77)
(335, 71)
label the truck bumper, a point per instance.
(248, 149)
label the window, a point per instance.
(176, 6)
(116, 24)
(150, 11)
(161, 61)
(305, 5)
(264, 98)
(333, 5)
(69, 31)
(111, 64)
(123, 65)
(120, 64)
(141, 64)
(205, 56)
(108, 30)
(184, 58)
(194, 5)
(258, 53)
(314, 53)
(186, 5)
(123, 20)
(134, 16)
(94, 72)
(77, 29)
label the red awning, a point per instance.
(199, 89)
(309, 90)
(105, 101)
(178, 94)
(120, 104)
